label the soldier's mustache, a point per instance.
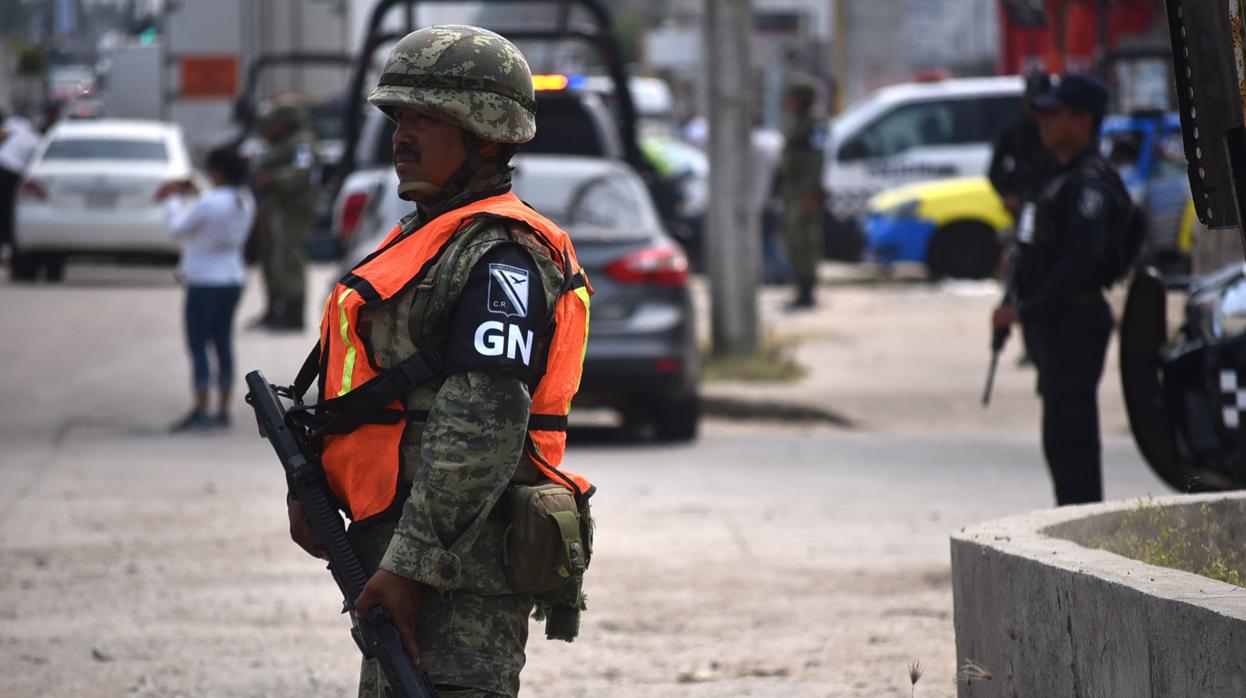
(408, 151)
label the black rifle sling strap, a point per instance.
(369, 403)
(307, 374)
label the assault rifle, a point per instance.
(375, 632)
(1000, 337)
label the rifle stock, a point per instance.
(375, 632)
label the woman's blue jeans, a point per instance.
(210, 321)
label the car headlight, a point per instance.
(904, 209)
(1230, 312)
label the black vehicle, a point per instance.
(1186, 392)
(1183, 390)
(642, 357)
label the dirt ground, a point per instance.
(763, 560)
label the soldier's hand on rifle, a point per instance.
(402, 597)
(300, 532)
(1004, 316)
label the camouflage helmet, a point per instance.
(803, 87)
(470, 77)
(281, 111)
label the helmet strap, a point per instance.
(459, 180)
(471, 165)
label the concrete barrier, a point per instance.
(1040, 615)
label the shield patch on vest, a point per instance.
(508, 290)
(1090, 204)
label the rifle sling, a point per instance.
(369, 403)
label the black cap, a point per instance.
(1075, 91)
(1037, 83)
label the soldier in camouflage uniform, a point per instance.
(286, 197)
(463, 100)
(799, 184)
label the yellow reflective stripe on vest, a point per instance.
(582, 292)
(348, 366)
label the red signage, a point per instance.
(209, 77)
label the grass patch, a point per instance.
(771, 363)
(1167, 537)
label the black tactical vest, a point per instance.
(1060, 192)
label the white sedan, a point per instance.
(93, 188)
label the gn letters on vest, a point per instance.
(363, 466)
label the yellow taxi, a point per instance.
(954, 226)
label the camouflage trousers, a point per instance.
(283, 256)
(802, 236)
(471, 645)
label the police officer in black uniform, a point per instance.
(1020, 163)
(1061, 279)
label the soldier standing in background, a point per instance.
(1061, 279)
(1020, 163)
(799, 184)
(286, 199)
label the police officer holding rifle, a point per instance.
(1061, 279)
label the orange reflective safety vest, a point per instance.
(363, 465)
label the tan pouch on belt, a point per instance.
(544, 545)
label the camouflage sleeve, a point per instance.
(289, 167)
(801, 166)
(474, 437)
(806, 171)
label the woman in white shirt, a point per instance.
(18, 141)
(212, 227)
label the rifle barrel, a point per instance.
(990, 380)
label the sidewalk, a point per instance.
(901, 356)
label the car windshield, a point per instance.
(106, 149)
(610, 204)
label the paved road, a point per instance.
(763, 560)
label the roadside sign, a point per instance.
(209, 77)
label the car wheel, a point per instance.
(677, 419)
(54, 267)
(963, 250)
(23, 266)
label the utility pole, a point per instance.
(732, 242)
(839, 56)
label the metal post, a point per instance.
(839, 57)
(732, 244)
(1105, 38)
